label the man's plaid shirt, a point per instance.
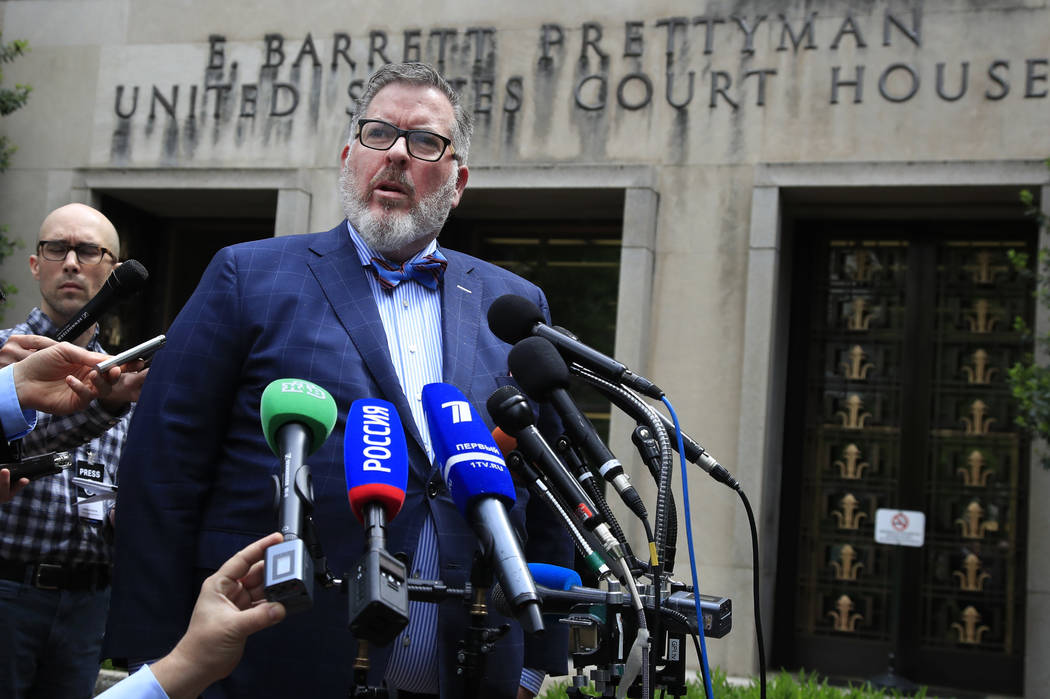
(41, 523)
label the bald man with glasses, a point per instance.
(55, 554)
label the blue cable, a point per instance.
(692, 554)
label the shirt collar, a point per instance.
(41, 324)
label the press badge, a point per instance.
(95, 491)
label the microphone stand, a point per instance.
(470, 660)
(378, 599)
(290, 566)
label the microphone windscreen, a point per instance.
(129, 277)
(555, 577)
(375, 457)
(504, 441)
(537, 367)
(296, 400)
(512, 317)
(464, 449)
(510, 410)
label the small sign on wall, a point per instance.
(900, 527)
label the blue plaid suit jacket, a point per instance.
(195, 476)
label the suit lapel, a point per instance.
(342, 278)
(461, 317)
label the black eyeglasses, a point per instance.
(424, 145)
(87, 253)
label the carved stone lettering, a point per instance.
(964, 78)
(857, 84)
(354, 90)
(676, 26)
(709, 31)
(633, 41)
(670, 91)
(512, 102)
(914, 34)
(482, 37)
(761, 74)
(1031, 77)
(994, 71)
(696, 48)
(806, 32)
(443, 36)
(340, 47)
(602, 89)
(376, 44)
(166, 104)
(849, 27)
(592, 34)
(274, 50)
(249, 100)
(126, 114)
(220, 91)
(483, 96)
(912, 82)
(216, 53)
(307, 49)
(412, 50)
(720, 82)
(749, 31)
(550, 35)
(284, 100)
(647, 88)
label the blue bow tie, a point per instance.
(426, 270)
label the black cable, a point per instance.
(663, 559)
(755, 583)
(571, 457)
(649, 450)
(643, 413)
(630, 403)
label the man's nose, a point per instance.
(398, 152)
(71, 260)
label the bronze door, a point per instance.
(901, 339)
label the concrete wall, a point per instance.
(704, 111)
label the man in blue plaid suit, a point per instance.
(371, 308)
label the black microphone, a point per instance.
(513, 318)
(124, 281)
(634, 407)
(510, 411)
(542, 372)
(520, 467)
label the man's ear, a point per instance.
(34, 266)
(461, 184)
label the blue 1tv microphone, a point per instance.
(481, 487)
(297, 417)
(375, 458)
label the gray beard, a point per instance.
(394, 228)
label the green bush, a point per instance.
(1029, 379)
(781, 686)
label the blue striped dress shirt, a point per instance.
(411, 315)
